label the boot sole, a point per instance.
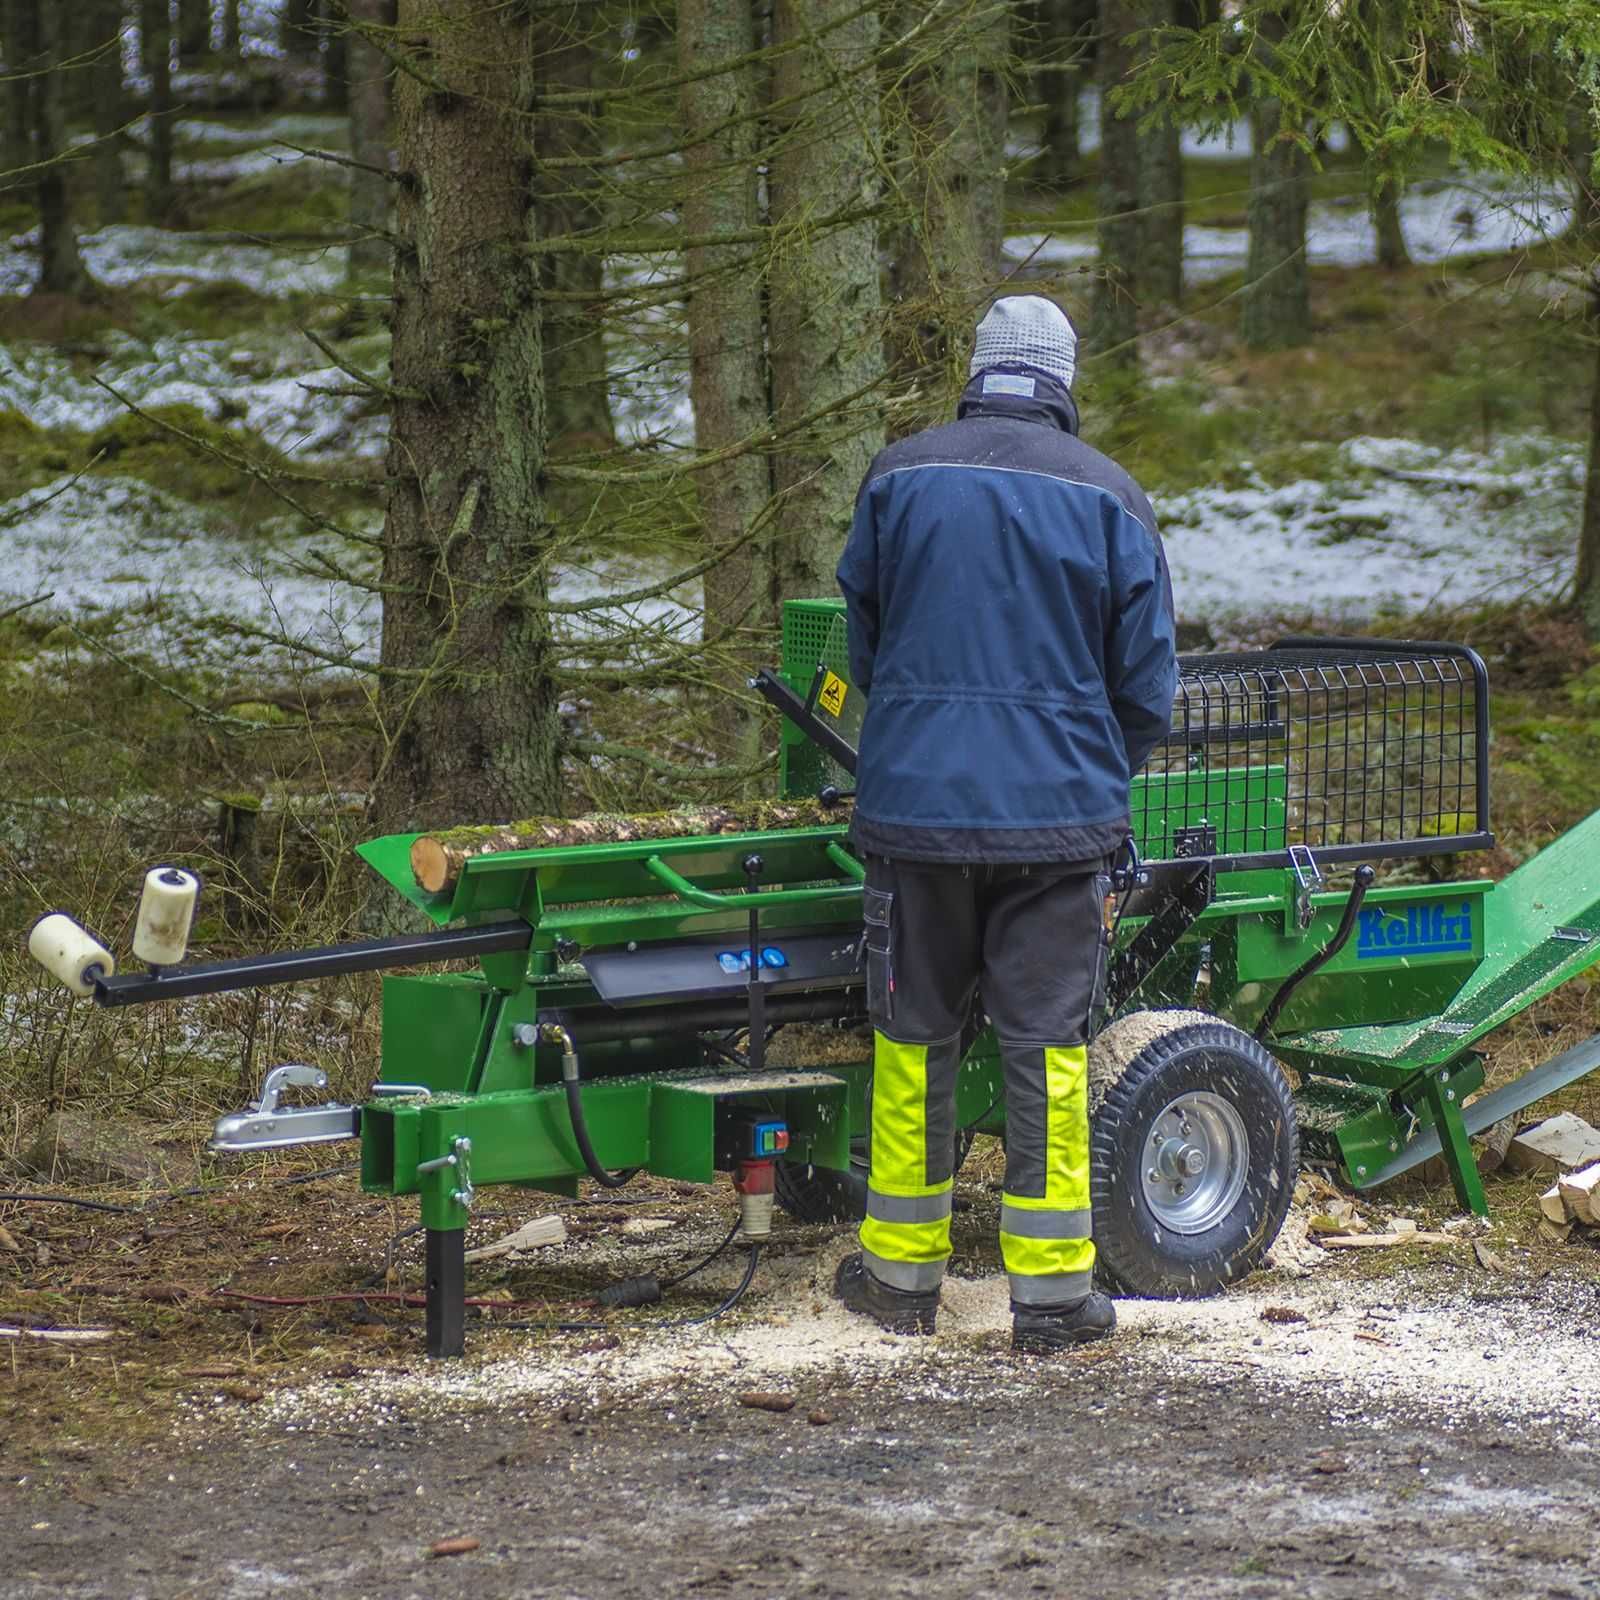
(1049, 1344)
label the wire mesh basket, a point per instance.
(1354, 749)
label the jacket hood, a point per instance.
(1022, 392)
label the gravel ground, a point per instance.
(1420, 1433)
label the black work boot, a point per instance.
(897, 1310)
(1043, 1330)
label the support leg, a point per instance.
(447, 1289)
(1454, 1144)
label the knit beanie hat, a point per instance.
(1029, 329)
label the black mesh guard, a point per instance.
(1352, 748)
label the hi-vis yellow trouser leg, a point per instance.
(906, 1236)
(1044, 1211)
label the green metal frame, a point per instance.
(1433, 968)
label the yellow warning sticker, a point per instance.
(831, 697)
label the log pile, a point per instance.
(437, 858)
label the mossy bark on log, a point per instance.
(437, 858)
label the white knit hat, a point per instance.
(1029, 329)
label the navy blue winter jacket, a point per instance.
(1010, 619)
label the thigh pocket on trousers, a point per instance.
(1106, 907)
(877, 911)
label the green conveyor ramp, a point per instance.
(1541, 927)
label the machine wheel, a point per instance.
(1193, 1153)
(822, 1194)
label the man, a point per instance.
(1010, 620)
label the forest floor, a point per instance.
(1416, 1422)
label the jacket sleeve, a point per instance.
(1141, 655)
(858, 582)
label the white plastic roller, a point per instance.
(166, 910)
(69, 953)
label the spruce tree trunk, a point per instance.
(297, 30)
(1385, 207)
(824, 312)
(111, 195)
(577, 404)
(1586, 584)
(1161, 191)
(1580, 158)
(468, 703)
(727, 349)
(148, 23)
(369, 138)
(194, 31)
(20, 50)
(949, 117)
(157, 30)
(1114, 327)
(334, 48)
(61, 270)
(1060, 80)
(1277, 299)
(230, 29)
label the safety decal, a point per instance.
(831, 698)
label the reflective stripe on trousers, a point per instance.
(905, 1238)
(1044, 1214)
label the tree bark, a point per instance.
(949, 124)
(824, 325)
(158, 193)
(231, 35)
(438, 857)
(1161, 192)
(1586, 584)
(1114, 323)
(1385, 207)
(21, 48)
(468, 702)
(111, 195)
(369, 137)
(1580, 158)
(194, 31)
(1062, 28)
(727, 329)
(577, 402)
(333, 44)
(61, 270)
(1277, 299)
(297, 30)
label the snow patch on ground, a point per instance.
(129, 253)
(1440, 220)
(1401, 527)
(115, 547)
(259, 383)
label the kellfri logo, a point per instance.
(1424, 930)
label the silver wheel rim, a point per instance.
(1195, 1161)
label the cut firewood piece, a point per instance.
(1552, 1205)
(530, 1236)
(1580, 1193)
(1562, 1143)
(437, 858)
(1379, 1241)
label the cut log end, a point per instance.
(430, 865)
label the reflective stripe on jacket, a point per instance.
(1010, 618)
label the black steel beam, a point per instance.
(294, 966)
(447, 1291)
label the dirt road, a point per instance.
(1091, 1479)
(1332, 1436)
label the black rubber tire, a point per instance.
(823, 1194)
(1136, 1253)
